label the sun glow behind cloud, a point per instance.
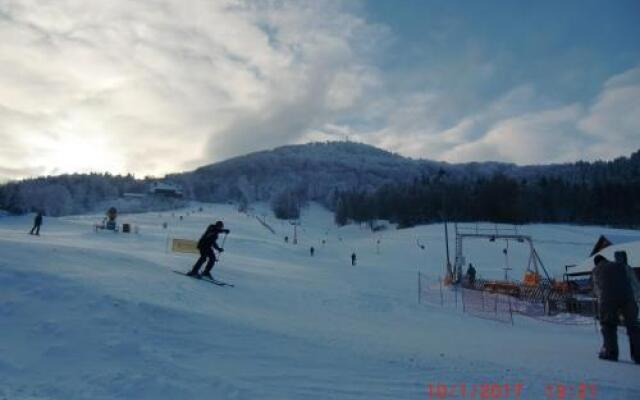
(69, 153)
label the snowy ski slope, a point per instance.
(87, 315)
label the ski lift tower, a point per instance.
(507, 233)
(295, 224)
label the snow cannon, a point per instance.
(112, 214)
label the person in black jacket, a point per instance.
(36, 224)
(471, 274)
(206, 244)
(615, 296)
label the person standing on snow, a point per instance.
(471, 274)
(206, 244)
(621, 257)
(36, 224)
(613, 289)
(353, 258)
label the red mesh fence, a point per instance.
(493, 306)
(554, 312)
(500, 306)
(432, 290)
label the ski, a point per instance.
(219, 283)
(214, 281)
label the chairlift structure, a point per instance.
(507, 233)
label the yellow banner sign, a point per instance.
(184, 246)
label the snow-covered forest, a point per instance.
(612, 201)
(78, 193)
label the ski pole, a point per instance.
(224, 239)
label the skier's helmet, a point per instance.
(219, 224)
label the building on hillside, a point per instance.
(130, 195)
(165, 189)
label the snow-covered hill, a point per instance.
(88, 315)
(315, 170)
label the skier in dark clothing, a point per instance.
(353, 258)
(36, 224)
(206, 244)
(312, 250)
(615, 295)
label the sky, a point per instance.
(159, 86)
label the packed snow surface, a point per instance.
(86, 315)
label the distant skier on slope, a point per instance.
(206, 244)
(353, 258)
(615, 295)
(37, 221)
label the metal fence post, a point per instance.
(510, 311)
(455, 289)
(419, 287)
(463, 305)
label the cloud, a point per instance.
(522, 126)
(163, 86)
(613, 121)
(545, 136)
(416, 124)
(167, 85)
(606, 128)
(325, 77)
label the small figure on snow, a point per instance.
(312, 250)
(206, 244)
(353, 258)
(614, 290)
(37, 221)
(471, 274)
(286, 239)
